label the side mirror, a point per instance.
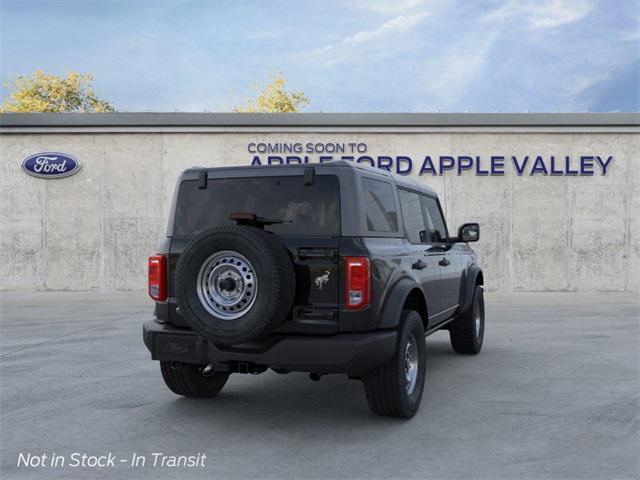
(469, 232)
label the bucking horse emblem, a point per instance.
(321, 280)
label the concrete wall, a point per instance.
(94, 230)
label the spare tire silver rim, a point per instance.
(411, 364)
(227, 285)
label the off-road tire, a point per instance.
(275, 280)
(386, 387)
(462, 332)
(187, 380)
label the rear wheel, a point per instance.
(187, 379)
(467, 331)
(395, 388)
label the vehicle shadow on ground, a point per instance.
(288, 401)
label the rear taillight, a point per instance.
(158, 278)
(358, 286)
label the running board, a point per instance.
(439, 326)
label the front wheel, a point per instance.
(188, 380)
(395, 388)
(467, 331)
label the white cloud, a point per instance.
(554, 13)
(389, 7)
(574, 71)
(453, 71)
(630, 36)
(450, 75)
(541, 15)
(506, 12)
(582, 82)
(384, 40)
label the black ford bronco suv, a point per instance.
(330, 268)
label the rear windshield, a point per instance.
(304, 209)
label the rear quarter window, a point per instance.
(380, 206)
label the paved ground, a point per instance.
(554, 394)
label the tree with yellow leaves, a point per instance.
(42, 92)
(275, 99)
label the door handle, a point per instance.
(419, 265)
(444, 262)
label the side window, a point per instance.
(437, 226)
(412, 216)
(380, 206)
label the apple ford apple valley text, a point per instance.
(587, 164)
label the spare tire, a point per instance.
(234, 284)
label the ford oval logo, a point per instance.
(50, 165)
(173, 347)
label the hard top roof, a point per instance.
(402, 181)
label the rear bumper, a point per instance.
(352, 353)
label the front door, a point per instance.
(425, 269)
(441, 251)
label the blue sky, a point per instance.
(347, 56)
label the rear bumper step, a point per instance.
(352, 353)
